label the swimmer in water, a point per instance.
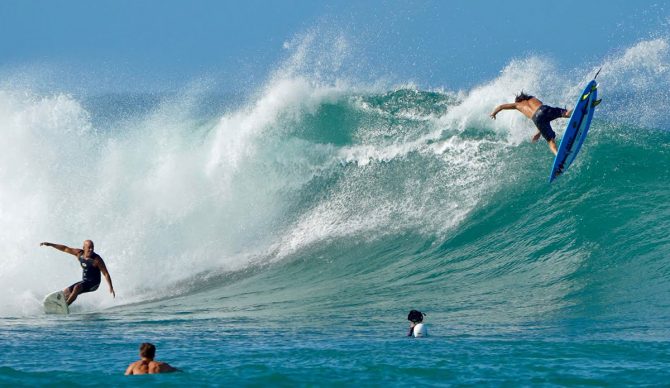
(416, 326)
(146, 364)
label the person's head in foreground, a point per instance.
(146, 364)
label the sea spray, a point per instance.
(174, 199)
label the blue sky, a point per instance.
(162, 45)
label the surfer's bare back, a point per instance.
(540, 114)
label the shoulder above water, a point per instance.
(420, 330)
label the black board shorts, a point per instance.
(543, 117)
(86, 286)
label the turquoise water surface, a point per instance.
(280, 238)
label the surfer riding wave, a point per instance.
(541, 115)
(92, 266)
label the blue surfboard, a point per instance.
(575, 132)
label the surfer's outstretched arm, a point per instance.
(63, 248)
(502, 107)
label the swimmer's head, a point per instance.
(147, 350)
(415, 316)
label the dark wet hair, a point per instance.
(147, 350)
(522, 97)
(415, 316)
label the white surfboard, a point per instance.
(55, 303)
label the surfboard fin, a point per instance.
(598, 72)
(596, 103)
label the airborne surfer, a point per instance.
(540, 114)
(92, 265)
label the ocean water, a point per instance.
(281, 236)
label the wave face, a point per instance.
(281, 236)
(321, 196)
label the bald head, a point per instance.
(88, 248)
